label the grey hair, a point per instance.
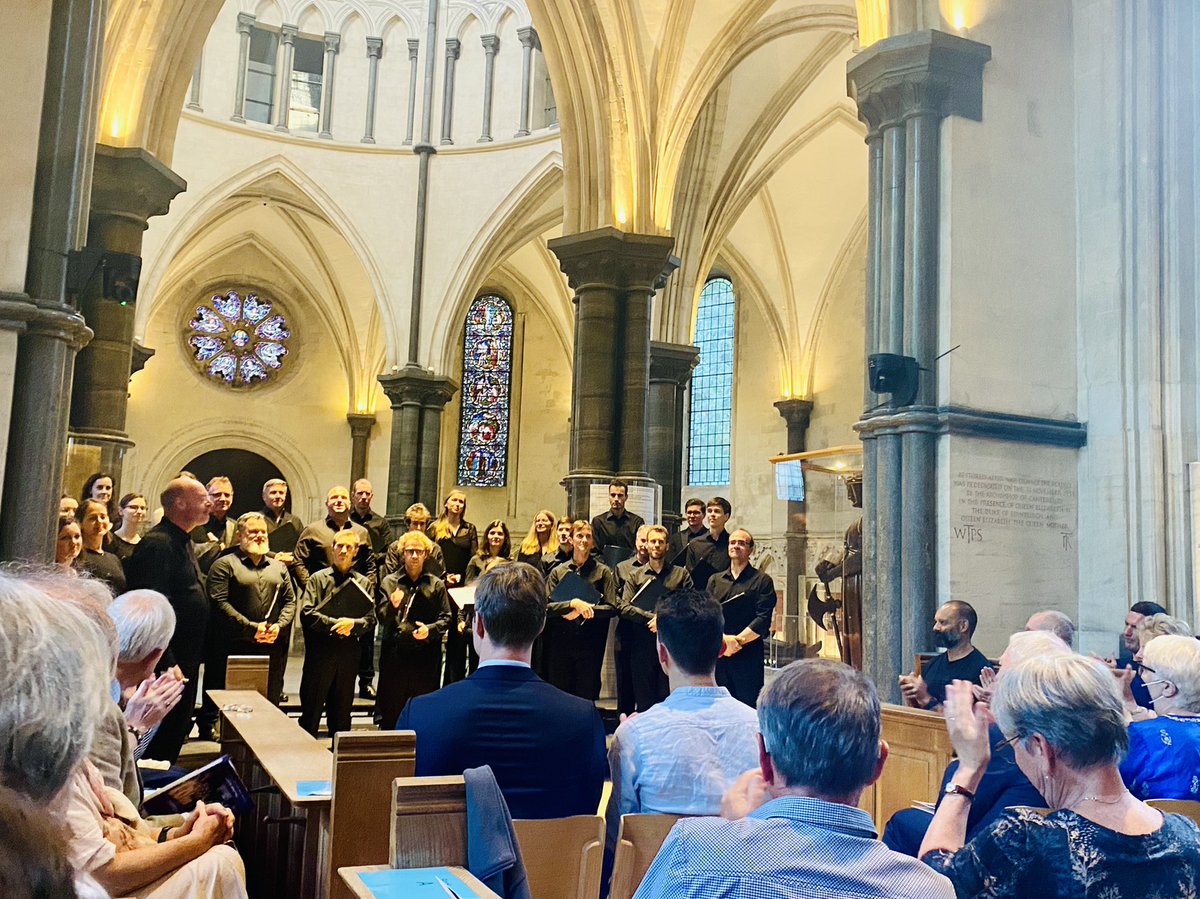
(1161, 625)
(247, 518)
(820, 724)
(145, 623)
(1176, 658)
(54, 682)
(1030, 644)
(1056, 623)
(1071, 700)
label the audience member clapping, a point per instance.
(1164, 752)
(1055, 622)
(1131, 678)
(1065, 719)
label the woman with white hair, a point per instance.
(1164, 751)
(1065, 720)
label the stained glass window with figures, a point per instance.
(486, 391)
(238, 340)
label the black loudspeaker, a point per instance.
(897, 375)
(121, 274)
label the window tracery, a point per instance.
(238, 341)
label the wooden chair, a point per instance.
(248, 673)
(638, 841)
(1189, 808)
(920, 750)
(563, 857)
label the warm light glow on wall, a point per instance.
(621, 215)
(115, 129)
(962, 14)
(872, 21)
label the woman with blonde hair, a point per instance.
(539, 542)
(458, 541)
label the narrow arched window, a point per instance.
(712, 386)
(486, 391)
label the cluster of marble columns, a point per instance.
(904, 87)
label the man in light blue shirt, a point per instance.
(792, 829)
(682, 754)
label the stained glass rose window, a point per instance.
(239, 341)
(487, 380)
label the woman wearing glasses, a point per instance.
(1164, 751)
(1066, 722)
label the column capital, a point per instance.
(453, 48)
(245, 21)
(528, 36)
(374, 47)
(130, 183)
(491, 43)
(921, 72)
(673, 362)
(797, 413)
(414, 47)
(20, 313)
(141, 355)
(360, 423)
(288, 33)
(333, 42)
(413, 385)
(614, 258)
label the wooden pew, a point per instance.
(564, 857)
(919, 751)
(248, 673)
(293, 844)
(638, 841)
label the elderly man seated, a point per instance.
(59, 659)
(1164, 752)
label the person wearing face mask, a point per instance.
(94, 527)
(953, 627)
(133, 515)
(252, 603)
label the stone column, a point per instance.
(325, 119)
(50, 331)
(904, 86)
(414, 46)
(796, 412)
(614, 275)
(361, 424)
(417, 396)
(194, 90)
(491, 44)
(283, 93)
(129, 186)
(528, 39)
(374, 51)
(453, 50)
(245, 23)
(671, 367)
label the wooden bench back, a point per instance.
(429, 822)
(638, 841)
(919, 751)
(248, 673)
(564, 857)
(1189, 808)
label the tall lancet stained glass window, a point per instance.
(238, 341)
(712, 386)
(486, 392)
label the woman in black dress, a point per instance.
(539, 542)
(128, 533)
(100, 487)
(458, 540)
(94, 527)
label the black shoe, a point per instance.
(204, 734)
(367, 691)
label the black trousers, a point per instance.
(327, 684)
(576, 655)
(649, 680)
(366, 659)
(456, 648)
(406, 670)
(742, 674)
(622, 655)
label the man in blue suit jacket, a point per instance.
(545, 746)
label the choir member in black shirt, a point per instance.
(621, 659)
(638, 627)
(414, 612)
(747, 598)
(709, 553)
(94, 527)
(494, 549)
(578, 630)
(694, 527)
(128, 534)
(252, 603)
(539, 542)
(617, 527)
(331, 645)
(165, 561)
(99, 486)
(274, 494)
(416, 518)
(563, 550)
(458, 541)
(219, 533)
(69, 543)
(377, 527)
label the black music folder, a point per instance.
(284, 538)
(614, 555)
(649, 594)
(348, 601)
(572, 586)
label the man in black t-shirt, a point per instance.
(953, 627)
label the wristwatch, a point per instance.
(953, 789)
